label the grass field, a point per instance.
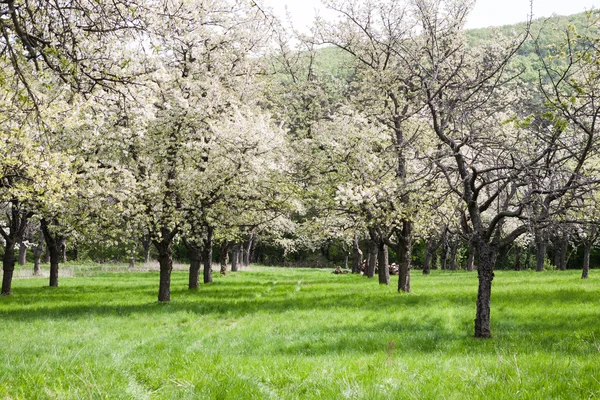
(300, 334)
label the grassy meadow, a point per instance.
(274, 333)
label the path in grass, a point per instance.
(300, 334)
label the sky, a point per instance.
(486, 12)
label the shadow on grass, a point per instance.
(414, 323)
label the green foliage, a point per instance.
(292, 333)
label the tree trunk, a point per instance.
(235, 253)
(429, 252)
(528, 257)
(564, 249)
(485, 272)
(37, 256)
(53, 246)
(372, 259)
(38, 250)
(471, 256)
(22, 253)
(444, 255)
(54, 260)
(453, 254)
(165, 260)
(46, 255)
(540, 254)
(248, 249)
(384, 271)
(146, 242)
(223, 256)
(404, 256)
(356, 256)
(8, 266)
(586, 259)
(208, 243)
(517, 258)
(63, 250)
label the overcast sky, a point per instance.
(486, 12)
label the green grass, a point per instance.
(300, 334)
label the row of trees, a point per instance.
(205, 122)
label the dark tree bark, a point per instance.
(8, 267)
(53, 241)
(453, 254)
(540, 254)
(444, 255)
(208, 247)
(248, 249)
(63, 250)
(22, 253)
(195, 252)
(17, 223)
(470, 256)
(587, 249)
(356, 256)
(432, 245)
(164, 247)
(46, 259)
(372, 261)
(564, 250)
(487, 259)
(146, 242)
(235, 254)
(404, 250)
(528, 257)
(38, 250)
(517, 258)
(223, 256)
(382, 257)
(165, 260)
